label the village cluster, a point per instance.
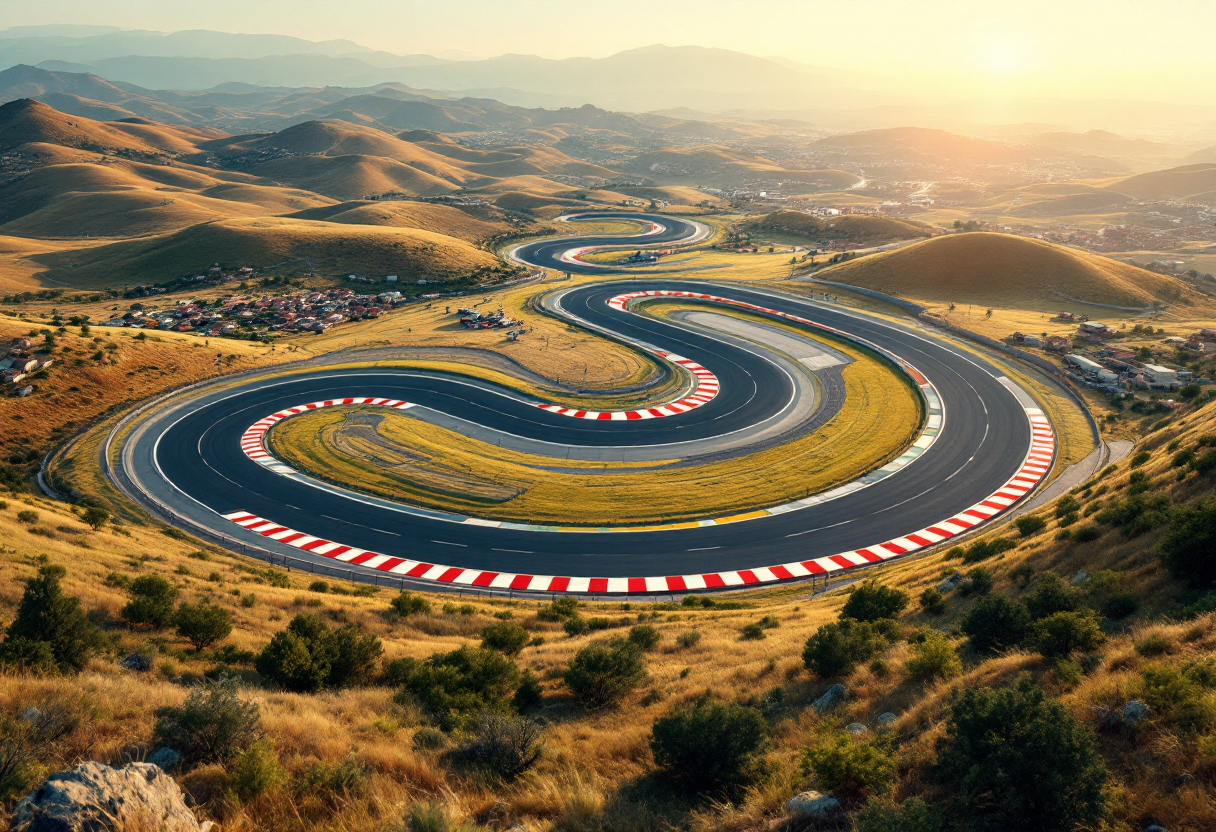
(20, 363)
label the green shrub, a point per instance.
(255, 771)
(151, 603)
(996, 622)
(202, 624)
(645, 636)
(1086, 532)
(984, 549)
(1137, 514)
(1204, 464)
(978, 581)
(1066, 505)
(1154, 644)
(688, 639)
(575, 625)
(407, 604)
(1120, 605)
(452, 687)
(319, 586)
(333, 783)
(1183, 458)
(95, 517)
(429, 817)
(29, 740)
(559, 609)
(1013, 759)
(212, 726)
(710, 746)
(913, 815)
(529, 694)
(1179, 696)
(1188, 547)
(49, 626)
(505, 637)
(751, 632)
(871, 601)
(1139, 459)
(849, 768)
(429, 739)
(27, 516)
(934, 657)
(1061, 634)
(1051, 595)
(836, 648)
(1030, 525)
(505, 745)
(932, 601)
(309, 656)
(601, 674)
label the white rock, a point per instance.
(813, 804)
(830, 698)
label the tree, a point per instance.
(871, 601)
(710, 745)
(95, 517)
(203, 624)
(1051, 595)
(308, 656)
(996, 622)
(151, 602)
(602, 673)
(50, 625)
(1188, 548)
(212, 725)
(1015, 760)
(1061, 634)
(505, 637)
(835, 648)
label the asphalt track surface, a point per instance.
(666, 231)
(195, 460)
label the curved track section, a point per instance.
(197, 459)
(563, 253)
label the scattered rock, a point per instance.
(1081, 577)
(136, 661)
(814, 805)
(96, 798)
(31, 714)
(950, 583)
(830, 698)
(856, 728)
(1155, 827)
(1135, 711)
(885, 720)
(1107, 719)
(165, 758)
(1184, 779)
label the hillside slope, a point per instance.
(25, 121)
(849, 227)
(1003, 270)
(1174, 183)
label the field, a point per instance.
(402, 458)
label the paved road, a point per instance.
(190, 459)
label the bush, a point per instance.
(212, 726)
(1051, 595)
(559, 609)
(913, 815)
(529, 694)
(871, 601)
(751, 632)
(645, 636)
(203, 624)
(1030, 525)
(151, 602)
(710, 746)
(308, 656)
(601, 674)
(1179, 695)
(933, 657)
(996, 622)
(429, 739)
(984, 549)
(255, 771)
(1120, 605)
(978, 581)
(451, 687)
(1137, 514)
(505, 745)
(932, 601)
(50, 630)
(407, 604)
(505, 637)
(835, 648)
(1204, 464)
(1139, 459)
(27, 516)
(688, 639)
(319, 586)
(1188, 547)
(1015, 760)
(1085, 533)
(848, 768)
(1061, 634)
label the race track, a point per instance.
(985, 445)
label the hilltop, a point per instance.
(1003, 270)
(1196, 183)
(26, 121)
(853, 228)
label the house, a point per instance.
(1084, 365)
(1093, 330)
(1154, 375)
(19, 345)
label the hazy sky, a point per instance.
(1159, 49)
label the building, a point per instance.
(1093, 330)
(1085, 366)
(1154, 375)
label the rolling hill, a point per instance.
(1175, 183)
(854, 228)
(264, 242)
(716, 164)
(1002, 270)
(26, 121)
